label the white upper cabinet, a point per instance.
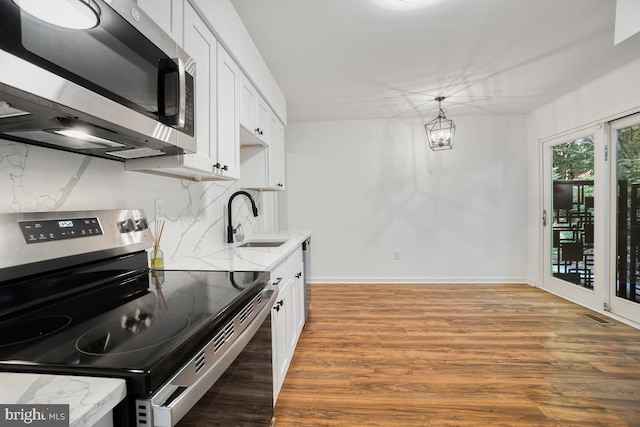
(167, 14)
(229, 82)
(232, 33)
(262, 129)
(254, 115)
(230, 111)
(263, 167)
(248, 101)
(276, 155)
(201, 45)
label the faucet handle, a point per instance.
(239, 233)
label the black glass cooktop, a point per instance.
(140, 329)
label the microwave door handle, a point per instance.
(168, 69)
(182, 102)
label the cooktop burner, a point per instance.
(31, 329)
(132, 333)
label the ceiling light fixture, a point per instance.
(72, 14)
(440, 131)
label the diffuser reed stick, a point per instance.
(157, 260)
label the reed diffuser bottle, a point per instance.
(157, 256)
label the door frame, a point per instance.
(618, 306)
(596, 297)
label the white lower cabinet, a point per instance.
(281, 332)
(298, 289)
(287, 318)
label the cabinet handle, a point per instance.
(217, 165)
(298, 275)
(280, 303)
(277, 282)
(225, 168)
(276, 308)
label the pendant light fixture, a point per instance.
(72, 14)
(440, 131)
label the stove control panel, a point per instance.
(60, 229)
(130, 224)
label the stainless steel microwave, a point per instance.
(116, 86)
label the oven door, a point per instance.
(126, 58)
(234, 368)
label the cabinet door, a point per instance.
(276, 155)
(228, 164)
(290, 314)
(263, 125)
(201, 45)
(248, 99)
(280, 338)
(167, 14)
(299, 292)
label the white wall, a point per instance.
(370, 188)
(614, 95)
(41, 179)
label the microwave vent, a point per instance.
(136, 153)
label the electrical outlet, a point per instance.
(159, 209)
(396, 255)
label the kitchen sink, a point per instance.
(262, 244)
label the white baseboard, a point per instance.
(418, 280)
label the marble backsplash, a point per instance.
(33, 179)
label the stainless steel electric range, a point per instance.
(77, 298)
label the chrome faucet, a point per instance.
(230, 229)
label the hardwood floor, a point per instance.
(458, 355)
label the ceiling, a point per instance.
(359, 59)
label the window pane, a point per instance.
(572, 249)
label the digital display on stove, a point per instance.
(60, 229)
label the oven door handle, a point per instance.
(171, 402)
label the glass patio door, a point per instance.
(572, 266)
(624, 298)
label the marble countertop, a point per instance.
(89, 399)
(235, 258)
